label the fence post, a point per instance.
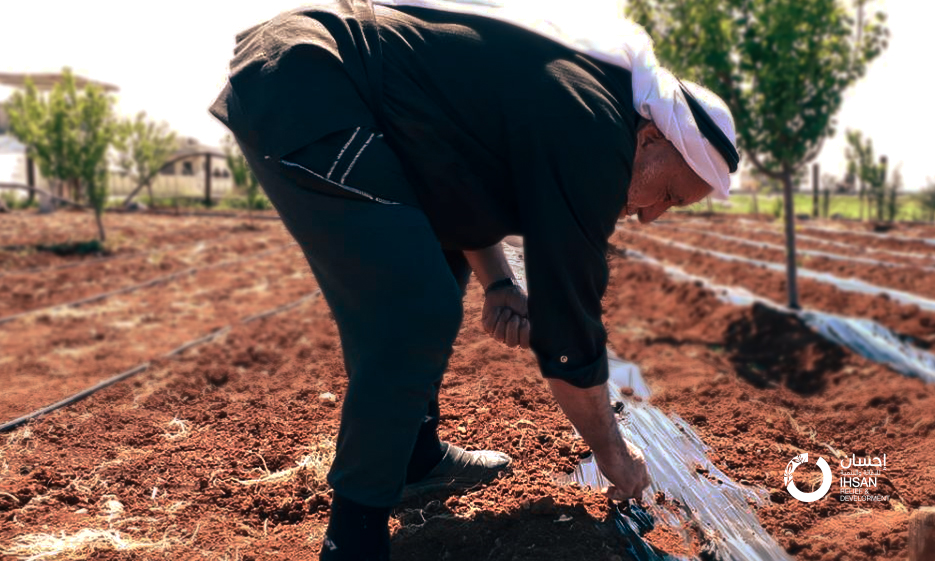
(815, 171)
(208, 180)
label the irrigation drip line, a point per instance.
(99, 260)
(807, 252)
(211, 214)
(865, 337)
(147, 284)
(673, 452)
(16, 423)
(847, 285)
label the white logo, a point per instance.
(826, 479)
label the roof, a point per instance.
(46, 80)
(192, 147)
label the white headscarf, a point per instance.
(599, 29)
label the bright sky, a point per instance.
(170, 59)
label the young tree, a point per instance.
(895, 185)
(926, 198)
(242, 175)
(782, 67)
(870, 171)
(68, 133)
(829, 184)
(144, 147)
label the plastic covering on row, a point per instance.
(808, 252)
(849, 284)
(862, 336)
(834, 243)
(712, 508)
(708, 499)
(929, 241)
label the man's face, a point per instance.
(661, 177)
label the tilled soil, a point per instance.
(22, 234)
(181, 447)
(907, 278)
(807, 240)
(907, 320)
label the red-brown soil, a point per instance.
(767, 233)
(171, 444)
(127, 233)
(908, 278)
(903, 319)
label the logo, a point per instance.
(826, 479)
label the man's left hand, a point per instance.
(505, 316)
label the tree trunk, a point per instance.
(133, 193)
(149, 189)
(791, 274)
(31, 179)
(756, 205)
(208, 180)
(100, 224)
(815, 171)
(826, 204)
(860, 198)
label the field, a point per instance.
(220, 450)
(843, 206)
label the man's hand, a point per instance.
(625, 467)
(505, 316)
(589, 411)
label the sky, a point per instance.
(170, 58)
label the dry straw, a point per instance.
(84, 544)
(314, 465)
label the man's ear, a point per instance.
(648, 134)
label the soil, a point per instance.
(907, 278)
(907, 320)
(770, 234)
(174, 445)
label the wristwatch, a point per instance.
(497, 285)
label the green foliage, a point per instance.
(926, 199)
(68, 133)
(144, 147)
(777, 207)
(892, 201)
(870, 173)
(781, 65)
(242, 176)
(14, 202)
(243, 203)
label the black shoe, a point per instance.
(460, 470)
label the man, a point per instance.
(400, 145)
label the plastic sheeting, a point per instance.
(929, 241)
(849, 284)
(679, 467)
(808, 252)
(833, 243)
(862, 336)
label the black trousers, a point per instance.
(395, 293)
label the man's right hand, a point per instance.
(626, 469)
(505, 316)
(590, 412)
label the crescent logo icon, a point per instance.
(826, 479)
